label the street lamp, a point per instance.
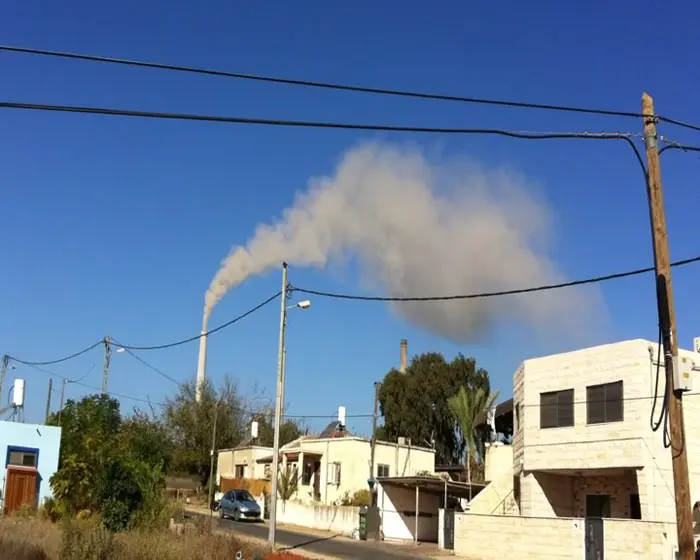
(301, 305)
(279, 401)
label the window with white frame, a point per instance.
(382, 470)
(334, 473)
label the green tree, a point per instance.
(289, 431)
(466, 406)
(414, 404)
(107, 465)
(287, 483)
(189, 425)
(89, 429)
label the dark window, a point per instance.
(597, 505)
(307, 473)
(240, 471)
(604, 403)
(635, 507)
(517, 417)
(19, 458)
(382, 470)
(557, 409)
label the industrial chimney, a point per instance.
(201, 365)
(404, 355)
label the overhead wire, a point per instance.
(207, 333)
(340, 87)
(60, 360)
(310, 124)
(481, 295)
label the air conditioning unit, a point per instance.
(402, 441)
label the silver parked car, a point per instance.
(240, 505)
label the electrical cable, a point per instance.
(482, 295)
(207, 333)
(676, 146)
(64, 359)
(338, 87)
(149, 366)
(313, 124)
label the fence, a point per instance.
(493, 537)
(336, 519)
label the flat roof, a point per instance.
(433, 485)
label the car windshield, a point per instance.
(243, 496)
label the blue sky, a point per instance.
(115, 226)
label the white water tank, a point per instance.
(254, 429)
(341, 415)
(18, 393)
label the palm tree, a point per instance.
(288, 483)
(466, 406)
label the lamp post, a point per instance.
(279, 396)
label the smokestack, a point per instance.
(201, 365)
(404, 355)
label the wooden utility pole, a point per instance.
(105, 369)
(211, 458)
(48, 401)
(63, 393)
(3, 371)
(667, 321)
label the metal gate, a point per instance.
(595, 545)
(449, 529)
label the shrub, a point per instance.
(359, 498)
(50, 510)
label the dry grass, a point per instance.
(37, 539)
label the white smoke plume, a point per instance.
(388, 208)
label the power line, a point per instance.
(339, 87)
(676, 146)
(128, 347)
(252, 413)
(316, 124)
(151, 367)
(64, 359)
(482, 295)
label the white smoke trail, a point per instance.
(382, 208)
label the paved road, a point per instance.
(338, 547)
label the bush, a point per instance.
(50, 510)
(358, 499)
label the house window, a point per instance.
(597, 505)
(557, 409)
(604, 403)
(517, 417)
(268, 469)
(240, 471)
(334, 473)
(635, 507)
(21, 457)
(382, 470)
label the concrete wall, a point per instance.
(339, 520)
(397, 508)
(498, 461)
(496, 537)
(46, 439)
(627, 445)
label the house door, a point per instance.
(449, 528)
(20, 489)
(317, 480)
(595, 546)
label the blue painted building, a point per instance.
(30, 447)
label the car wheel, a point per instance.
(236, 515)
(221, 513)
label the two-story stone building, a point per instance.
(583, 444)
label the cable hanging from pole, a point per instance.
(482, 295)
(340, 87)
